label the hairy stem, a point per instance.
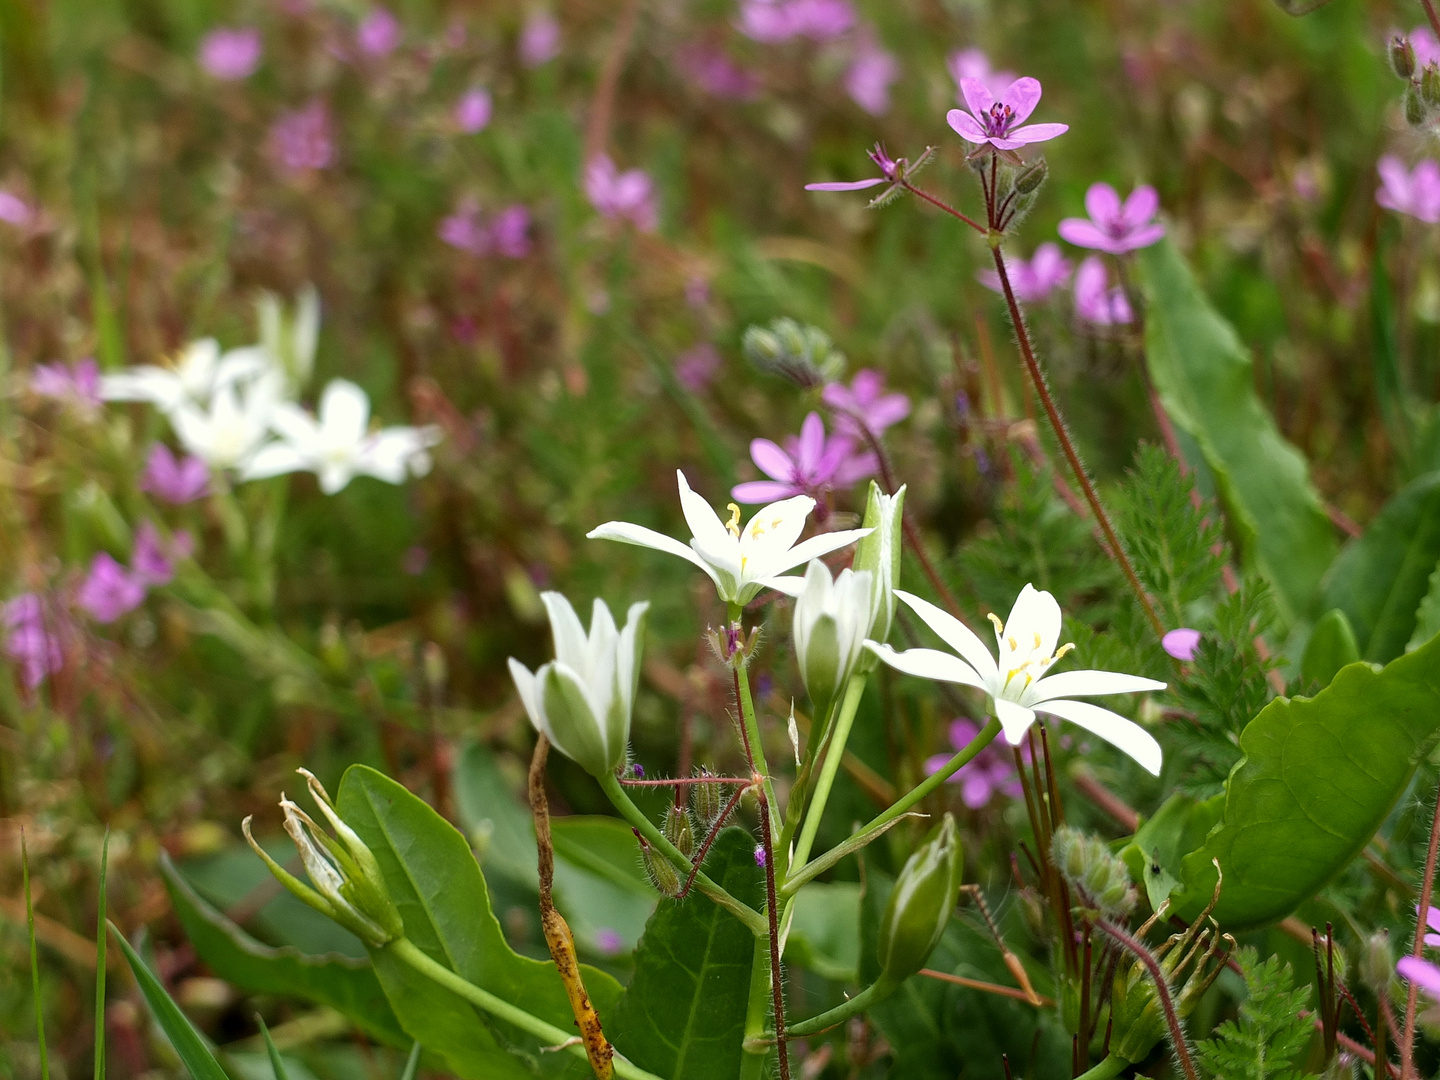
(1407, 1045)
(777, 974)
(943, 206)
(1162, 993)
(754, 750)
(1111, 1067)
(876, 991)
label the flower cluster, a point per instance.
(505, 233)
(627, 196)
(871, 71)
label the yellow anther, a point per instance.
(757, 530)
(1062, 651)
(1037, 640)
(733, 525)
(775, 522)
(1011, 642)
(999, 626)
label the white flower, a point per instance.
(338, 447)
(741, 561)
(225, 434)
(290, 338)
(832, 620)
(582, 699)
(199, 372)
(1018, 684)
(880, 554)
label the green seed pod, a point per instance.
(660, 871)
(679, 830)
(1377, 961)
(708, 802)
(920, 906)
(1029, 179)
(1416, 114)
(1430, 85)
(1402, 56)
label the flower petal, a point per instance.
(627, 533)
(1014, 719)
(705, 524)
(571, 646)
(978, 98)
(1033, 133)
(953, 632)
(845, 185)
(965, 125)
(812, 444)
(1082, 232)
(817, 546)
(1141, 205)
(1102, 203)
(1035, 615)
(1123, 734)
(344, 411)
(1087, 684)
(761, 491)
(1420, 972)
(929, 664)
(771, 460)
(1142, 237)
(789, 585)
(1022, 96)
(273, 459)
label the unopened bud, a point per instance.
(1377, 962)
(1402, 56)
(921, 903)
(1415, 112)
(658, 869)
(1029, 179)
(1099, 878)
(708, 802)
(678, 829)
(803, 354)
(433, 661)
(1430, 84)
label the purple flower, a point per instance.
(507, 233)
(1416, 192)
(77, 384)
(109, 590)
(153, 561)
(510, 232)
(608, 941)
(717, 75)
(1420, 972)
(1094, 302)
(769, 21)
(992, 118)
(379, 33)
(1432, 920)
(760, 856)
(1427, 48)
(464, 230)
(1032, 281)
(865, 402)
(472, 111)
(1182, 643)
(869, 76)
(1115, 227)
(637, 771)
(821, 20)
(300, 141)
(889, 174)
(539, 39)
(991, 772)
(974, 64)
(696, 366)
(176, 480)
(230, 54)
(629, 195)
(15, 210)
(28, 641)
(806, 465)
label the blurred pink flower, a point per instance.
(15, 210)
(77, 384)
(609, 941)
(767, 21)
(1095, 303)
(29, 641)
(1432, 920)
(629, 195)
(1032, 281)
(539, 39)
(109, 590)
(991, 772)
(717, 75)
(153, 561)
(865, 402)
(464, 230)
(1415, 192)
(774, 21)
(300, 141)
(1426, 46)
(889, 173)
(510, 232)
(696, 366)
(177, 480)
(1422, 973)
(1113, 226)
(697, 291)
(472, 111)
(807, 465)
(992, 117)
(379, 33)
(869, 76)
(974, 64)
(230, 53)
(1181, 643)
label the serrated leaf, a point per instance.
(1318, 778)
(1203, 374)
(683, 1015)
(436, 884)
(1380, 579)
(183, 1036)
(1427, 615)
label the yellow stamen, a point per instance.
(757, 529)
(999, 626)
(733, 525)
(1062, 651)
(1011, 642)
(1037, 640)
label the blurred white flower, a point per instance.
(289, 337)
(199, 371)
(232, 426)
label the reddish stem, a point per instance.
(777, 987)
(943, 206)
(1407, 1046)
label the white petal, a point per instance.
(1087, 683)
(1014, 719)
(1123, 734)
(335, 475)
(953, 632)
(525, 685)
(626, 533)
(240, 364)
(790, 586)
(195, 367)
(929, 664)
(344, 412)
(143, 383)
(273, 459)
(815, 547)
(768, 536)
(296, 425)
(571, 646)
(1035, 612)
(705, 524)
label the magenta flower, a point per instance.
(15, 210)
(153, 561)
(379, 33)
(1095, 303)
(760, 856)
(1115, 227)
(177, 480)
(774, 21)
(806, 466)
(464, 230)
(1416, 192)
(230, 54)
(696, 366)
(1422, 973)
(472, 111)
(1427, 48)
(974, 64)
(864, 402)
(992, 119)
(1032, 281)
(768, 21)
(608, 941)
(510, 232)
(109, 590)
(991, 772)
(890, 173)
(300, 141)
(629, 195)
(1182, 643)
(717, 75)
(77, 384)
(539, 39)
(869, 76)
(29, 641)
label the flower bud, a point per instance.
(1415, 112)
(708, 802)
(831, 622)
(879, 553)
(659, 869)
(1098, 878)
(678, 829)
(1402, 56)
(802, 354)
(1430, 85)
(919, 908)
(730, 644)
(1377, 962)
(1029, 179)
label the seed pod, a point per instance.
(1100, 879)
(659, 870)
(1029, 179)
(678, 829)
(1415, 112)
(1377, 961)
(1402, 56)
(707, 801)
(1430, 85)
(920, 905)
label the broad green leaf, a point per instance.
(188, 1043)
(436, 884)
(1179, 827)
(1318, 778)
(822, 930)
(683, 1015)
(1380, 579)
(1427, 615)
(1202, 372)
(1332, 645)
(346, 985)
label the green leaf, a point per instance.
(1179, 827)
(683, 1015)
(1380, 578)
(1318, 778)
(187, 1041)
(1427, 615)
(101, 958)
(1332, 645)
(346, 985)
(276, 1064)
(1274, 1026)
(822, 930)
(34, 961)
(436, 884)
(1202, 372)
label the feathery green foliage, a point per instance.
(1272, 1029)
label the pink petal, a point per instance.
(812, 444)
(965, 125)
(1022, 96)
(1140, 207)
(991, 280)
(1181, 643)
(1142, 237)
(763, 491)
(855, 468)
(867, 385)
(961, 732)
(890, 409)
(1102, 204)
(845, 185)
(1423, 974)
(1432, 916)
(771, 460)
(975, 790)
(978, 98)
(1083, 233)
(838, 396)
(1033, 133)
(935, 762)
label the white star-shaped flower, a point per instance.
(199, 371)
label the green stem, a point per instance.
(655, 838)
(1108, 1069)
(757, 749)
(757, 1042)
(404, 949)
(833, 756)
(964, 757)
(799, 791)
(876, 991)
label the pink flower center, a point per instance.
(998, 120)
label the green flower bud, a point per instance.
(802, 354)
(1377, 962)
(708, 802)
(920, 906)
(1402, 56)
(1430, 85)
(1029, 179)
(1415, 112)
(659, 869)
(678, 829)
(831, 622)
(1099, 879)
(879, 553)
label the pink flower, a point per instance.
(869, 76)
(176, 480)
(774, 21)
(109, 590)
(1094, 302)
(15, 210)
(78, 385)
(153, 561)
(1416, 193)
(539, 39)
(463, 229)
(992, 118)
(974, 64)
(889, 174)
(991, 772)
(1427, 48)
(1032, 281)
(510, 232)
(379, 33)
(300, 141)
(717, 75)
(472, 111)
(806, 466)
(629, 195)
(608, 941)
(29, 641)
(1420, 972)
(768, 21)
(230, 54)
(1182, 643)
(1114, 227)
(865, 402)
(696, 366)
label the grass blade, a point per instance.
(34, 959)
(412, 1063)
(100, 963)
(275, 1063)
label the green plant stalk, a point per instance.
(34, 959)
(879, 990)
(100, 958)
(757, 1042)
(1108, 1069)
(653, 836)
(833, 756)
(750, 721)
(799, 791)
(404, 949)
(950, 768)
